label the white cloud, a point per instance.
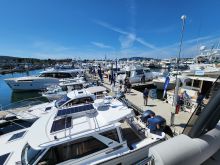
(128, 39)
(147, 44)
(101, 45)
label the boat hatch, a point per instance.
(17, 136)
(61, 124)
(64, 112)
(48, 108)
(25, 80)
(80, 92)
(3, 158)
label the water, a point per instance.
(7, 96)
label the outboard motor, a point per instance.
(160, 121)
(156, 123)
(146, 115)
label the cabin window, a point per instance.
(99, 95)
(196, 83)
(139, 72)
(128, 73)
(61, 101)
(29, 155)
(75, 74)
(112, 134)
(73, 102)
(120, 73)
(77, 86)
(80, 101)
(188, 82)
(86, 100)
(63, 75)
(46, 75)
(72, 150)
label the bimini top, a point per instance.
(96, 89)
(50, 129)
(78, 93)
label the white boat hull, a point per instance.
(35, 84)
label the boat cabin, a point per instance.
(74, 98)
(197, 84)
(61, 74)
(68, 137)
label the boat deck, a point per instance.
(129, 134)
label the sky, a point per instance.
(93, 29)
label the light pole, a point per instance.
(183, 18)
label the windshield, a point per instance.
(29, 155)
(61, 101)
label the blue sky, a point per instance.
(115, 28)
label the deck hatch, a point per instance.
(48, 108)
(17, 136)
(77, 109)
(61, 124)
(3, 158)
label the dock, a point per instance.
(158, 106)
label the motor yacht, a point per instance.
(203, 69)
(191, 85)
(55, 92)
(206, 63)
(134, 74)
(100, 132)
(165, 64)
(41, 82)
(72, 98)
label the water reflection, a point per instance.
(7, 96)
(18, 96)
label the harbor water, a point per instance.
(7, 96)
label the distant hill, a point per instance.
(11, 58)
(7, 57)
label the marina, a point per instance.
(109, 83)
(90, 102)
